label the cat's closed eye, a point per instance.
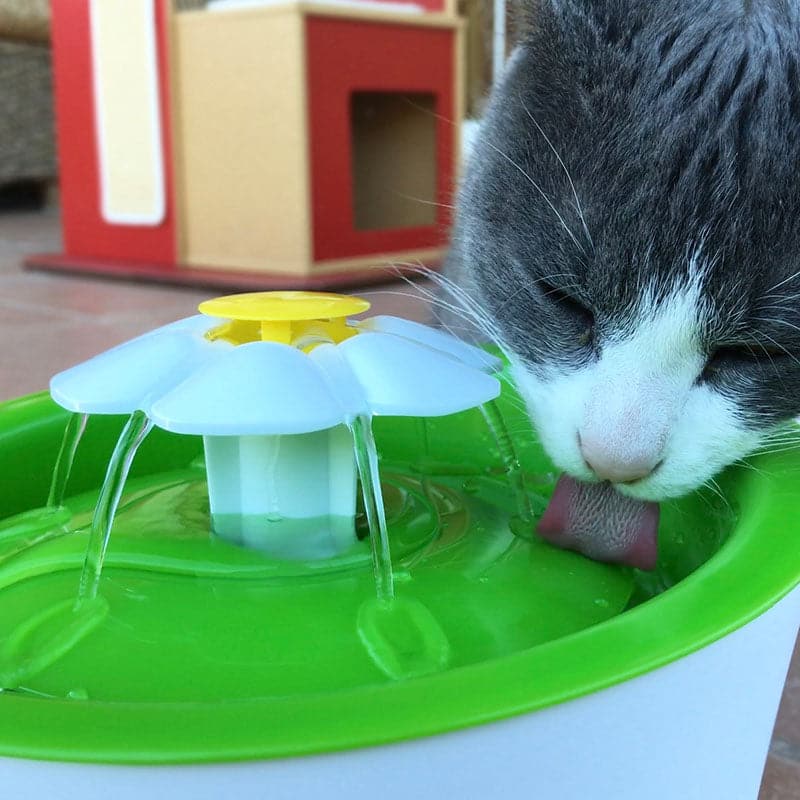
(727, 358)
(569, 305)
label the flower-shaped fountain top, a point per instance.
(280, 362)
(281, 385)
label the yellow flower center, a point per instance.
(300, 319)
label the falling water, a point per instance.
(133, 434)
(25, 530)
(76, 425)
(400, 634)
(521, 523)
(425, 447)
(367, 463)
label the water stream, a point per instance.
(366, 455)
(522, 523)
(76, 425)
(133, 434)
(29, 528)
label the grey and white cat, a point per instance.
(629, 226)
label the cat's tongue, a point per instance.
(596, 520)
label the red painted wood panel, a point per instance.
(345, 56)
(86, 234)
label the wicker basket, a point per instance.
(27, 146)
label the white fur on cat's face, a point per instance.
(641, 394)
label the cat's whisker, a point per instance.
(478, 320)
(712, 484)
(790, 429)
(578, 207)
(783, 432)
(781, 440)
(788, 298)
(790, 441)
(431, 113)
(518, 291)
(541, 192)
(421, 294)
(432, 300)
(775, 446)
(747, 465)
(469, 306)
(514, 403)
(525, 287)
(426, 300)
(774, 342)
(777, 450)
(784, 281)
(466, 304)
(424, 202)
(771, 360)
(706, 500)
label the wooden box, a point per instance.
(282, 144)
(309, 142)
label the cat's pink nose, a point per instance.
(615, 462)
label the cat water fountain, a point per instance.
(273, 550)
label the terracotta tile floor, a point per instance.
(49, 322)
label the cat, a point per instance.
(628, 228)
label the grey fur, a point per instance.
(678, 122)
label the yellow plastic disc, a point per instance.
(283, 306)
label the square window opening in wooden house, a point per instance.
(394, 164)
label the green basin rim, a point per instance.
(721, 596)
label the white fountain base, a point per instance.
(292, 496)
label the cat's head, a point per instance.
(630, 225)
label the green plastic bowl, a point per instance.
(207, 653)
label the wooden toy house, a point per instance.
(270, 144)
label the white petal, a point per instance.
(340, 379)
(256, 388)
(401, 377)
(128, 377)
(431, 337)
